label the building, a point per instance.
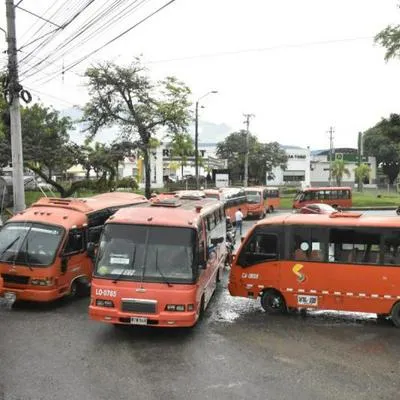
(320, 164)
(297, 172)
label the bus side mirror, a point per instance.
(64, 265)
(91, 249)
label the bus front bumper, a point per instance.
(163, 319)
(13, 294)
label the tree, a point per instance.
(339, 169)
(389, 38)
(127, 98)
(383, 142)
(362, 173)
(262, 157)
(182, 146)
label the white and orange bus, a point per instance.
(159, 264)
(261, 200)
(337, 197)
(233, 199)
(342, 261)
(43, 248)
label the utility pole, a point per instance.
(14, 89)
(331, 132)
(246, 156)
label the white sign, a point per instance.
(221, 180)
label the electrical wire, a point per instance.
(74, 64)
(120, 14)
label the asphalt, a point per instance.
(237, 352)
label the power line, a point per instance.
(38, 16)
(261, 49)
(85, 57)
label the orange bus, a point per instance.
(342, 261)
(159, 264)
(233, 199)
(43, 248)
(334, 196)
(261, 200)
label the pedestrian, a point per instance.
(239, 220)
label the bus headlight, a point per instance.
(104, 303)
(175, 307)
(42, 282)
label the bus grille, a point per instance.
(19, 279)
(139, 306)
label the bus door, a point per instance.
(260, 260)
(74, 260)
(306, 276)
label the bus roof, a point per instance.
(73, 211)
(167, 211)
(326, 188)
(336, 219)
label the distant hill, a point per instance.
(208, 131)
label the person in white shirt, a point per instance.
(239, 220)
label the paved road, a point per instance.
(237, 352)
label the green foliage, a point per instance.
(127, 98)
(128, 183)
(383, 142)
(339, 169)
(362, 173)
(182, 146)
(262, 157)
(389, 38)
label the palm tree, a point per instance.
(362, 172)
(339, 170)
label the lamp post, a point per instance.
(196, 136)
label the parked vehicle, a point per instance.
(261, 200)
(334, 196)
(158, 264)
(317, 208)
(43, 250)
(340, 261)
(233, 199)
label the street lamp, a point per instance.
(196, 136)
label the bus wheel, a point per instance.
(79, 289)
(395, 314)
(273, 302)
(202, 308)
(217, 277)
(271, 209)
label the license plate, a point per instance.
(138, 321)
(10, 297)
(304, 300)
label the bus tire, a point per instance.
(273, 302)
(271, 209)
(79, 288)
(202, 308)
(218, 277)
(395, 314)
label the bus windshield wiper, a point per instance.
(132, 266)
(9, 247)
(159, 270)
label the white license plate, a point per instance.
(10, 297)
(305, 300)
(138, 321)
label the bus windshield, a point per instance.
(29, 243)
(146, 253)
(253, 197)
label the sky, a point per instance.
(298, 66)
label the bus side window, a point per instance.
(309, 244)
(260, 248)
(201, 244)
(391, 247)
(75, 242)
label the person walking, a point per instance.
(239, 220)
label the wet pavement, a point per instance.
(236, 352)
